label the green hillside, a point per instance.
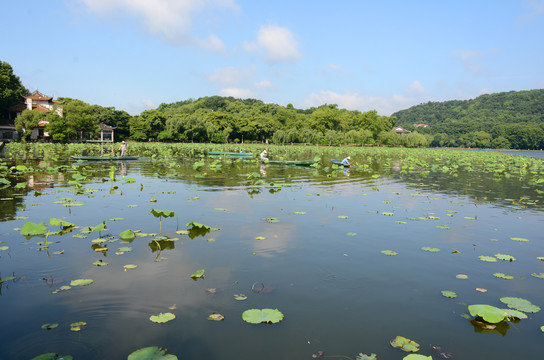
(486, 121)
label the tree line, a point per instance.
(512, 119)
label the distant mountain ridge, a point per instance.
(498, 108)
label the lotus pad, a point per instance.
(404, 344)
(539, 275)
(162, 317)
(520, 304)
(430, 249)
(503, 276)
(363, 356)
(81, 282)
(198, 274)
(151, 353)
(257, 316)
(487, 258)
(30, 229)
(449, 294)
(505, 257)
(489, 313)
(417, 357)
(389, 252)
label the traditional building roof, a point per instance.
(105, 127)
(40, 109)
(401, 130)
(17, 108)
(36, 95)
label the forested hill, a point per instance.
(505, 107)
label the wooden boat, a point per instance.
(231, 154)
(105, 158)
(291, 162)
(339, 163)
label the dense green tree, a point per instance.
(11, 88)
(78, 121)
(147, 126)
(27, 121)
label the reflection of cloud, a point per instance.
(171, 19)
(278, 44)
(277, 236)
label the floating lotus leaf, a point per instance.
(515, 314)
(520, 304)
(489, 313)
(542, 328)
(389, 252)
(404, 344)
(541, 258)
(49, 326)
(198, 274)
(271, 220)
(221, 209)
(343, 217)
(6, 278)
(151, 353)
(445, 227)
(461, 276)
(519, 239)
(129, 180)
(505, 257)
(4, 247)
(388, 213)
(182, 232)
(162, 317)
(81, 282)
(52, 356)
(33, 229)
(539, 275)
(417, 357)
(100, 262)
(430, 249)
(487, 258)
(449, 294)
(64, 224)
(240, 297)
(503, 276)
(100, 227)
(257, 316)
(363, 356)
(260, 238)
(124, 249)
(216, 317)
(299, 212)
(78, 326)
(127, 235)
(162, 213)
(130, 266)
(116, 219)
(351, 234)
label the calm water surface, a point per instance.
(323, 269)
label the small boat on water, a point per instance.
(231, 154)
(291, 162)
(105, 158)
(339, 163)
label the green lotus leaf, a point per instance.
(197, 225)
(81, 282)
(198, 274)
(240, 297)
(32, 229)
(386, 213)
(542, 328)
(4, 247)
(519, 239)
(404, 344)
(52, 356)
(221, 209)
(59, 222)
(505, 257)
(260, 238)
(78, 326)
(124, 249)
(162, 213)
(449, 294)
(116, 219)
(539, 275)
(489, 313)
(127, 235)
(162, 317)
(487, 258)
(445, 227)
(49, 326)
(130, 266)
(351, 234)
(389, 252)
(362, 356)
(151, 353)
(100, 227)
(21, 185)
(515, 314)
(299, 212)
(129, 180)
(216, 317)
(257, 316)
(271, 220)
(430, 249)
(343, 216)
(6, 278)
(100, 262)
(417, 357)
(503, 276)
(520, 304)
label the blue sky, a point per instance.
(362, 55)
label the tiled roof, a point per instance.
(40, 109)
(106, 127)
(36, 95)
(17, 108)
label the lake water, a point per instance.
(320, 263)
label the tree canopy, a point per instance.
(11, 88)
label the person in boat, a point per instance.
(346, 161)
(123, 148)
(263, 155)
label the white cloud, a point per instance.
(534, 9)
(355, 101)
(469, 59)
(278, 44)
(230, 75)
(149, 103)
(415, 89)
(170, 19)
(238, 93)
(333, 67)
(264, 85)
